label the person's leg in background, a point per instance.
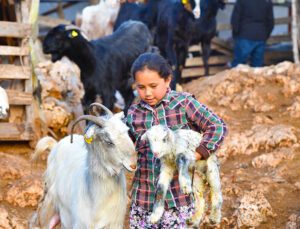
(241, 52)
(257, 55)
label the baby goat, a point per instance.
(4, 104)
(178, 148)
(85, 180)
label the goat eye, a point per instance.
(109, 142)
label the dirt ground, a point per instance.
(260, 158)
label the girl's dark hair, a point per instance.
(154, 62)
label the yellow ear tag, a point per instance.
(184, 2)
(74, 34)
(88, 140)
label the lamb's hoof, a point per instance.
(214, 221)
(215, 217)
(154, 218)
(192, 224)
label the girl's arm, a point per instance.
(205, 121)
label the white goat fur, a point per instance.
(98, 20)
(197, 9)
(168, 145)
(4, 104)
(85, 183)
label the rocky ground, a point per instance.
(260, 158)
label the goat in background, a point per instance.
(98, 20)
(104, 63)
(84, 180)
(4, 104)
(204, 28)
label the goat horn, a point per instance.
(96, 120)
(110, 114)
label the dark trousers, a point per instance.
(248, 50)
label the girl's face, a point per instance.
(150, 86)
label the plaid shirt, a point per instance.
(177, 110)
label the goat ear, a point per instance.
(120, 115)
(73, 34)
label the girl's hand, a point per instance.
(198, 156)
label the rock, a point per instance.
(294, 222)
(273, 159)
(13, 167)
(26, 192)
(4, 221)
(253, 210)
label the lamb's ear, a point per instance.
(144, 136)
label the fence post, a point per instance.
(295, 32)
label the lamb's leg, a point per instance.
(184, 176)
(213, 178)
(198, 189)
(164, 181)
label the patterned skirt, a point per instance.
(174, 218)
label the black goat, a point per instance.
(104, 63)
(177, 29)
(205, 28)
(144, 12)
(170, 21)
(172, 34)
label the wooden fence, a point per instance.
(18, 76)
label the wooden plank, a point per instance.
(9, 71)
(279, 39)
(226, 51)
(194, 48)
(277, 21)
(222, 43)
(272, 57)
(51, 22)
(222, 50)
(14, 132)
(14, 51)
(197, 61)
(16, 97)
(55, 9)
(14, 29)
(196, 72)
(283, 20)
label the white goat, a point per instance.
(4, 104)
(98, 20)
(178, 148)
(85, 181)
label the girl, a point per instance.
(159, 105)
